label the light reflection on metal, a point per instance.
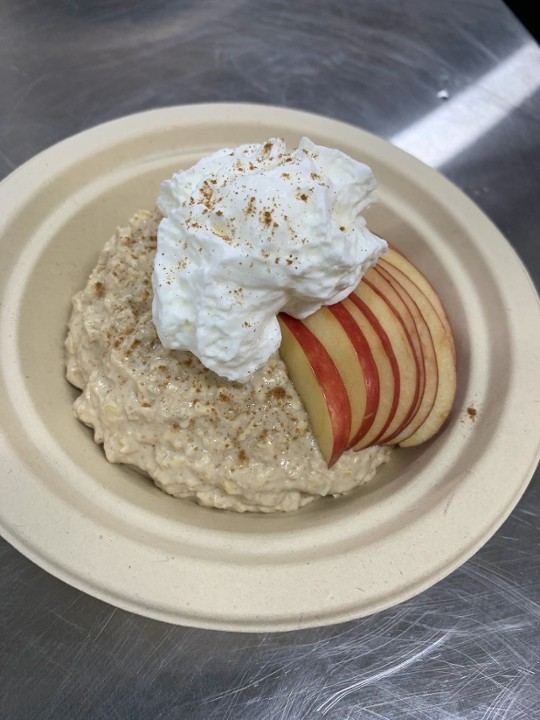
(467, 116)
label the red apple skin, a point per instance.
(386, 366)
(398, 332)
(340, 345)
(444, 347)
(387, 344)
(385, 288)
(370, 372)
(395, 257)
(319, 386)
(378, 367)
(426, 352)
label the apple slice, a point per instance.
(378, 367)
(387, 322)
(397, 259)
(422, 336)
(319, 385)
(388, 371)
(369, 371)
(444, 347)
(373, 278)
(343, 346)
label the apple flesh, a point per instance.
(396, 258)
(319, 385)
(444, 347)
(330, 333)
(388, 390)
(399, 348)
(378, 367)
(421, 334)
(385, 288)
(369, 369)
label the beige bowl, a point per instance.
(108, 531)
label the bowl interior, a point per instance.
(62, 268)
(425, 512)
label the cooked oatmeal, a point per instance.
(243, 447)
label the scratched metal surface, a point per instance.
(457, 84)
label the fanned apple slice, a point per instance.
(396, 258)
(319, 385)
(369, 372)
(444, 351)
(385, 289)
(339, 344)
(384, 317)
(427, 353)
(378, 367)
(388, 371)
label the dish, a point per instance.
(109, 532)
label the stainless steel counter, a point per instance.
(456, 83)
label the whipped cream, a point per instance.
(253, 231)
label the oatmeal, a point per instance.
(243, 447)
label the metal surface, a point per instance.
(458, 85)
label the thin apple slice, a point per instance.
(388, 371)
(427, 354)
(385, 288)
(396, 258)
(319, 385)
(388, 324)
(369, 373)
(444, 351)
(339, 344)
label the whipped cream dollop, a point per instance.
(252, 231)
